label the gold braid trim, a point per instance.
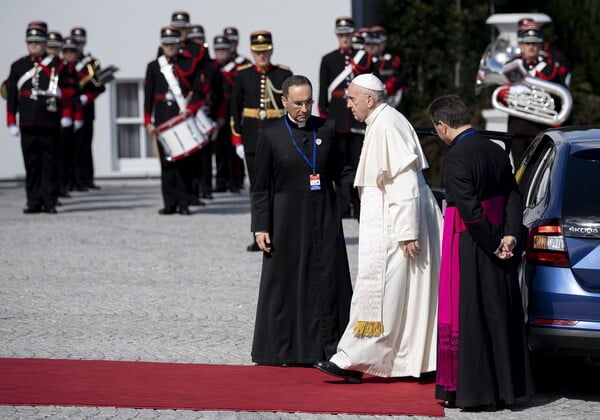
(271, 91)
(368, 328)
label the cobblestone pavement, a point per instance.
(108, 278)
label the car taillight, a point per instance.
(546, 246)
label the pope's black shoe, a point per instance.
(330, 368)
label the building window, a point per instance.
(132, 140)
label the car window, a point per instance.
(536, 190)
(581, 189)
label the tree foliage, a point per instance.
(441, 43)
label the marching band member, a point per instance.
(256, 98)
(198, 51)
(72, 116)
(389, 67)
(538, 64)
(337, 70)
(193, 45)
(89, 93)
(161, 101)
(197, 35)
(213, 86)
(31, 96)
(232, 34)
(54, 44)
(227, 161)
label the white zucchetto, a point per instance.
(369, 81)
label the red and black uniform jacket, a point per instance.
(391, 73)
(159, 102)
(33, 113)
(69, 84)
(247, 94)
(335, 108)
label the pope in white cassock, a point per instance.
(393, 315)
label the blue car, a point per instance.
(559, 273)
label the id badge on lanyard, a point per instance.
(314, 179)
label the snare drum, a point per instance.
(180, 137)
(205, 123)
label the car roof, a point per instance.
(588, 136)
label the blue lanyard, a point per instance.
(464, 134)
(313, 164)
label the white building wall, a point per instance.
(126, 33)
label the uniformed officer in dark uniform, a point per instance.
(72, 116)
(193, 45)
(196, 33)
(337, 70)
(389, 66)
(54, 44)
(32, 95)
(212, 82)
(84, 172)
(256, 98)
(232, 34)
(160, 103)
(226, 159)
(198, 51)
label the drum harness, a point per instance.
(167, 70)
(344, 73)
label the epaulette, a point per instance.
(245, 66)
(281, 66)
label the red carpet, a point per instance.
(206, 387)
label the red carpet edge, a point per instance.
(153, 385)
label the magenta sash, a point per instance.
(448, 309)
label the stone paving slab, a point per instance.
(108, 278)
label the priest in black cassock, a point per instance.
(483, 359)
(305, 288)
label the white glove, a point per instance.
(58, 93)
(239, 150)
(14, 130)
(520, 89)
(66, 122)
(83, 99)
(78, 124)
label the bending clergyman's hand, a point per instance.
(506, 250)
(263, 240)
(411, 248)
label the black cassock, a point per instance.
(493, 358)
(305, 287)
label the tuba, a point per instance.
(536, 100)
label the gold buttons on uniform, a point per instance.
(262, 113)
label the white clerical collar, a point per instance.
(369, 120)
(300, 125)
